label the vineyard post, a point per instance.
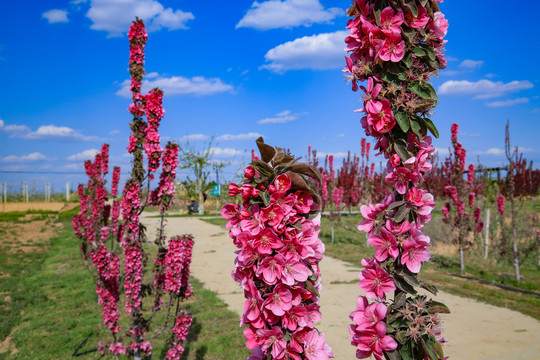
(67, 191)
(485, 249)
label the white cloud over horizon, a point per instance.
(231, 137)
(482, 89)
(316, 52)
(226, 152)
(115, 16)
(280, 118)
(179, 85)
(35, 156)
(504, 103)
(44, 132)
(471, 64)
(84, 155)
(193, 137)
(54, 16)
(274, 14)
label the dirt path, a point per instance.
(476, 331)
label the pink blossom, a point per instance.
(390, 21)
(401, 176)
(272, 339)
(315, 346)
(393, 48)
(386, 245)
(372, 341)
(414, 253)
(380, 116)
(367, 315)
(375, 281)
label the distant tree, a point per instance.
(201, 163)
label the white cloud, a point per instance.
(56, 132)
(491, 75)
(442, 151)
(115, 16)
(280, 118)
(535, 111)
(496, 104)
(501, 152)
(226, 152)
(337, 155)
(471, 64)
(179, 85)
(44, 132)
(230, 137)
(194, 137)
(85, 155)
(35, 156)
(482, 89)
(55, 16)
(114, 132)
(13, 129)
(275, 14)
(317, 52)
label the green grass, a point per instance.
(350, 245)
(49, 306)
(16, 215)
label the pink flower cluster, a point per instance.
(177, 262)
(98, 222)
(277, 266)
(461, 193)
(94, 216)
(395, 47)
(163, 195)
(180, 332)
(501, 202)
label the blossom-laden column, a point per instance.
(461, 193)
(100, 229)
(276, 229)
(396, 46)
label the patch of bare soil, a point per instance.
(28, 236)
(47, 206)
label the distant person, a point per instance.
(193, 208)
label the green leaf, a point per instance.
(402, 151)
(429, 347)
(400, 214)
(427, 87)
(420, 90)
(395, 68)
(265, 197)
(392, 355)
(395, 204)
(378, 8)
(418, 51)
(410, 5)
(407, 60)
(437, 307)
(427, 286)
(439, 350)
(391, 78)
(402, 120)
(415, 127)
(430, 52)
(401, 337)
(431, 126)
(403, 285)
(406, 351)
(409, 34)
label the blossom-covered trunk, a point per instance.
(395, 46)
(100, 229)
(276, 229)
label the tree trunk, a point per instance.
(516, 256)
(485, 249)
(201, 196)
(332, 231)
(461, 260)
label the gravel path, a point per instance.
(476, 331)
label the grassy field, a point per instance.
(48, 303)
(350, 245)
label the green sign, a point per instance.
(216, 190)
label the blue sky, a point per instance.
(236, 70)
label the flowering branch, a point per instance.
(276, 229)
(396, 46)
